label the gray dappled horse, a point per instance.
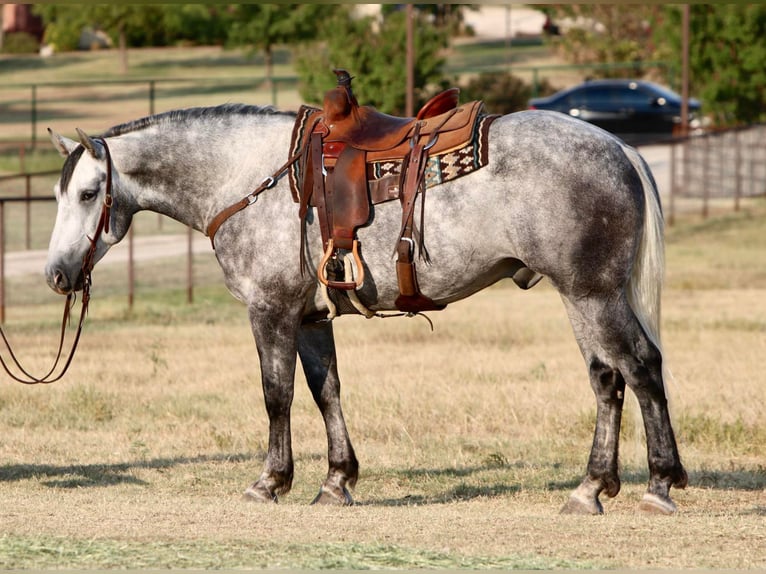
(559, 198)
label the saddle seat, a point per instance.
(367, 129)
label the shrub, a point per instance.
(502, 92)
(20, 43)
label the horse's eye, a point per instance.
(88, 195)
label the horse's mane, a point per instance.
(192, 114)
(168, 117)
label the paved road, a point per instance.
(149, 247)
(160, 246)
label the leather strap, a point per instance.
(410, 298)
(249, 199)
(318, 186)
(88, 262)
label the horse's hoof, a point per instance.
(655, 504)
(330, 497)
(256, 493)
(579, 505)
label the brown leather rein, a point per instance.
(88, 263)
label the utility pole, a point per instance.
(410, 101)
(685, 71)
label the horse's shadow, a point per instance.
(457, 489)
(102, 475)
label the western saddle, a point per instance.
(341, 141)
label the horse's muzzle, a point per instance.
(61, 283)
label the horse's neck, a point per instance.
(190, 175)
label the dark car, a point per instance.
(635, 110)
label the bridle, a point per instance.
(88, 262)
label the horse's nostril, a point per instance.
(60, 282)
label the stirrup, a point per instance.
(344, 285)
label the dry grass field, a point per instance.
(470, 438)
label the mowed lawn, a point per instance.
(470, 437)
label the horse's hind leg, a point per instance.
(618, 351)
(603, 472)
(316, 348)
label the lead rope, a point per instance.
(88, 263)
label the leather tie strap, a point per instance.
(249, 199)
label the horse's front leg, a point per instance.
(316, 348)
(275, 330)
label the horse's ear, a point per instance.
(94, 148)
(62, 144)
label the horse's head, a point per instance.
(81, 194)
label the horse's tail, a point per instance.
(645, 283)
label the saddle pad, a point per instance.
(297, 143)
(383, 176)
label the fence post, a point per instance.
(705, 176)
(2, 261)
(131, 270)
(189, 266)
(737, 174)
(151, 97)
(34, 115)
(28, 211)
(672, 214)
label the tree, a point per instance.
(263, 26)
(607, 34)
(727, 49)
(726, 58)
(133, 25)
(374, 51)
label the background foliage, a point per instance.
(726, 58)
(376, 50)
(727, 49)
(728, 43)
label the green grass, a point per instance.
(41, 159)
(165, 63)
(45, 553)
(483, 56)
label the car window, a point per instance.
(590, 97)
(634, 96)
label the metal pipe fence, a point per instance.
(28, 105)
(718, 165)
(27, 200)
